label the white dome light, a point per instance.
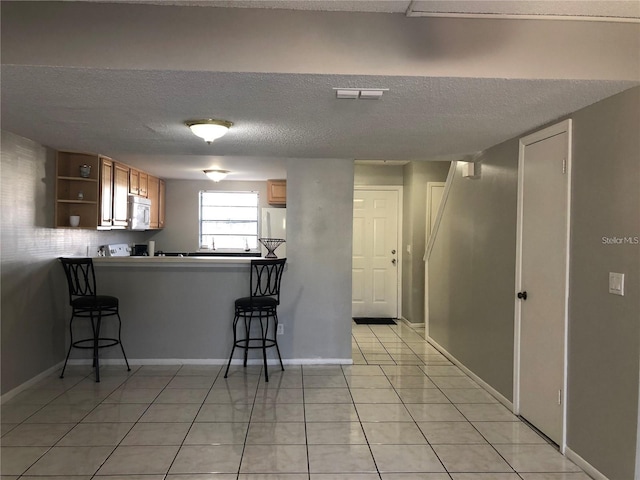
(209, 129)
(216, 175)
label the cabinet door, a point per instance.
(144, 185)
(161, 203)
(153, 190)
(120, 194)
(134, 181)
(106, 192)
(277, 192)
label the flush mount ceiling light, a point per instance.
(216, 175)
(208, 128)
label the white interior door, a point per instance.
(375, 253)
(544, 183)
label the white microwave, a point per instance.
(139, 213)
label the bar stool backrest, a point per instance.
(81, 277)
(266, 276)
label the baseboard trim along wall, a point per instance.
(172, 361)
(411, 324)
(570, 454)
(215, 361)
(30, 383)
(584, 465)
(501, 398)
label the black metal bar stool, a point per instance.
(261, 306)
(86, 303)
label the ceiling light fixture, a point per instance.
(216, 175)
(209, 129)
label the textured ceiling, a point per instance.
(136, 114)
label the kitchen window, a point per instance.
(228, 220)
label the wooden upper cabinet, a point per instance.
(134, 181)
(156, 187)
(153, 185)
(138, 182)
(77, 189)
(97, 189)
(161, 203)
(106, 192)
(120, 194)
(277, 192)
(144, 185)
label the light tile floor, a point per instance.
(401, 412)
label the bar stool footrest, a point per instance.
(246, 343)
(80, 343)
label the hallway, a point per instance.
(401, 412)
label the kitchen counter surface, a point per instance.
(203, 261)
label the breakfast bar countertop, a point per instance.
(171, 261)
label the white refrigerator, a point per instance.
(274, 225)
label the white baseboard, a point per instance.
(498, 396)
(215, 361)
(411, 324)
(171, 361)
(29, 383)
(584, 465)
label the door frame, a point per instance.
(557, 129)
(399, 190)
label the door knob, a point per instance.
(393, 252)
(522, 295)
(393, 261)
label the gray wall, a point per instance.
(472, 269)
(378, 175)
(416, 176)
(317, 312)
(182, 215)
(33, 290)
(472, 278)
(604, 329)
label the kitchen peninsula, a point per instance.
(174, 309)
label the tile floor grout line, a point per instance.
(403, 335)
(375, 464)
(50, 448)
(134, 423)
(415, 421)
(306, 431)
(89, 413)
(470, 422)
(194, 418)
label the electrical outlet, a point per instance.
(280, 329)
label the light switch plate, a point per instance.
(616, 283)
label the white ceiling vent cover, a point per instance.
(348, 93)
(371, 94)
(362, 93)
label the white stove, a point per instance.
(117, 250)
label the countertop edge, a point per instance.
(152, 262)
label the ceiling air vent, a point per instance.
(360, 93)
